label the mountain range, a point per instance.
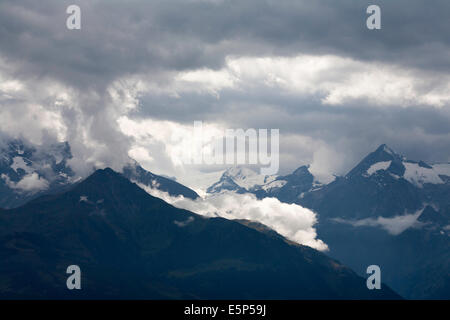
(130, 245)
(387, 210)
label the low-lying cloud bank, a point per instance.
(290, 220)
(29, 183)
(394, 226)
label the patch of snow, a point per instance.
(396, 177)
(383, 165)
(19, 163)
(74, 179)
(433, 205)
(418, 175)
(246, 178)
(442, 169)
(274, 185)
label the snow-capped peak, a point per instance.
(385, 161)
(247, 178)
(240, 179)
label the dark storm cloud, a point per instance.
(119, 37)
(156, 39)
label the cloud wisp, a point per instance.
(394, 226)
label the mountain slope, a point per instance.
(392, 212)
(135, 173)
(132, 245)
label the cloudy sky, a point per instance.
(138, 74)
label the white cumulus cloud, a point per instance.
(30, 183)
(290, 220)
